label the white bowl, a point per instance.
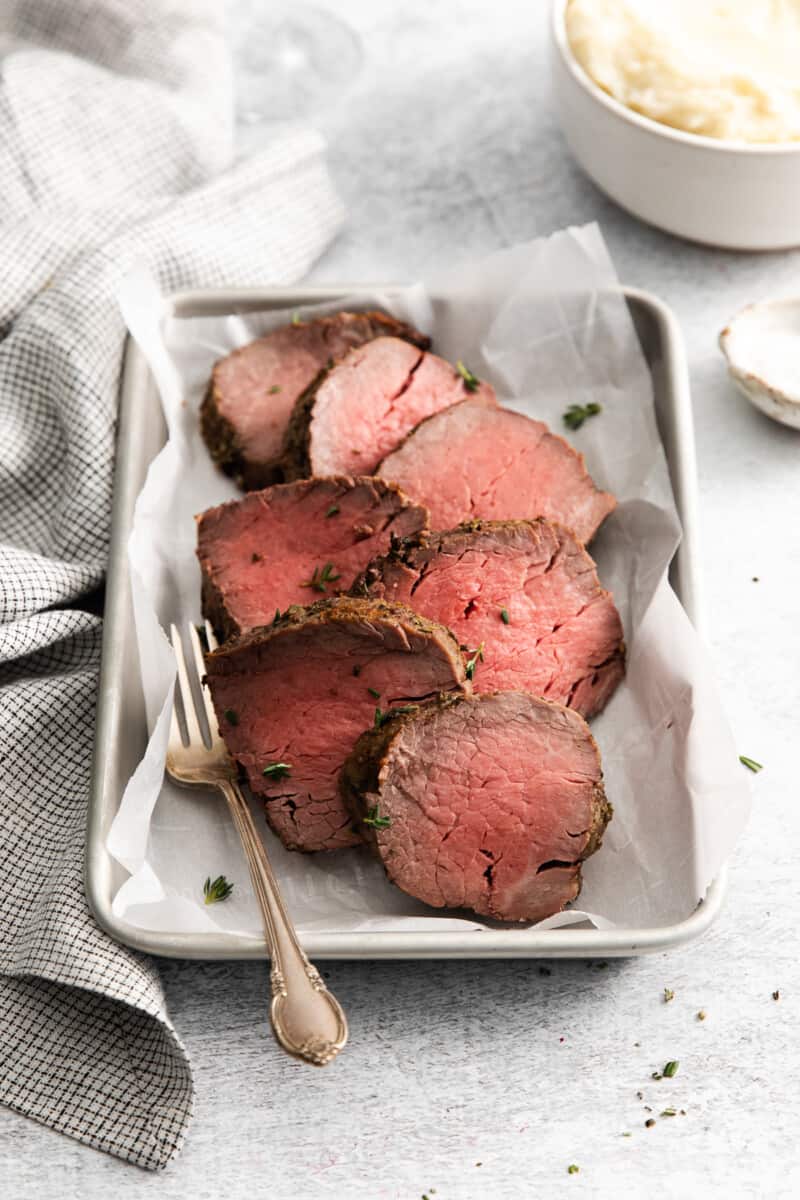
(723, 193)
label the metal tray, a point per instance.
(121, 729)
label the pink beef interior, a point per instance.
(562, 637)
(260, 553)
(373, 398)
(297, 700)
(489, 463)
(490, 803)
(258, 385)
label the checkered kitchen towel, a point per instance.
(115, 149)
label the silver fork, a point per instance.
(306, 1019)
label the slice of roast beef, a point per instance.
(252, 391)
(489, 803)
(526, 592)
(292, 698)
(361, 408)
(472, 462)
(292, 543)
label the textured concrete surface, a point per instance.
(488, 1080)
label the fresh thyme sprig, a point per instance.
(382, 717)
(217, 889)
(277, 770)
(374, 819)
(576, 414)
(332, 511)
(477, 656)
(321, 578)
(471, 382)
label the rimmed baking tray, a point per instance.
(121, 732)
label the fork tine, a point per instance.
(213, 644)
(192, 724)
(200, 663)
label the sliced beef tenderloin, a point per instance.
(472, 462)
(292, 698)
(361, 408)
(252, 391)
(293, 542)
(526, 592)
(489, 803)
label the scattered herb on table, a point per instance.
(576, 414)
(751, 764)
(701, 1016)
(649, 1123)
(776, 995)
(573, 1169)
(277, 770)
(471, 382)
(627, 1133)
(321, 578)
(374, 818)
(504, 617)
(473, 662)
(231, 716)
(670, 1069)
(217, 889)
(755, 579)
(332, 511)
(668, 1112)
(656, 1075)
(374, 692)
(668, 995)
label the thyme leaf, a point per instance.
(671, 1068)
(332, 511)
(374, 818)
(321, 578)
(576, 414)
(277, 770)
(374, 692)
(273, 391)
(504, 617)
(477, 655)
(751, 764)
(471, 382)
(382, 717)
(231, 716)
(215, 890)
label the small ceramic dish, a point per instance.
(762, 347)
(736, 195)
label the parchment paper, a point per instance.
(544, 324)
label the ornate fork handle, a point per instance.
(307, 1020)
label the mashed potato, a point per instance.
(721, 68)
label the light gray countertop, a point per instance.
(487, 1079)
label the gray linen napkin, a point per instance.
(115, 123)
